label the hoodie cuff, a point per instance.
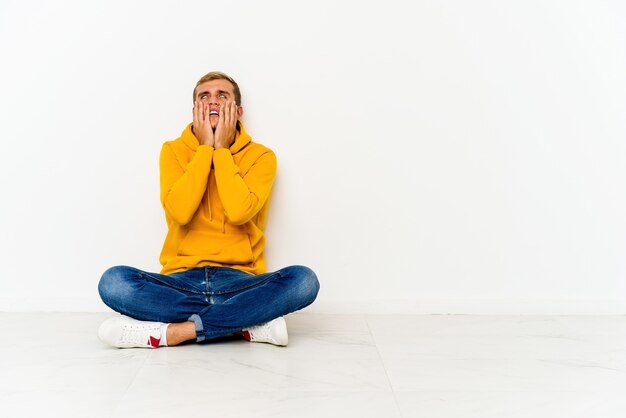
(223, 158)
(204, 147)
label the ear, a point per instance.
(239, 112)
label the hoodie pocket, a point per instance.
(231, 248)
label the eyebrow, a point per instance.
(219, 91)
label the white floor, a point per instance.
(53, 365)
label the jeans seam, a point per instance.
(256, 283)
(170, 285)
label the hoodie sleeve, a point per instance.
(243, 197)
(182, 188)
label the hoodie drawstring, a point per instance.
(208, 202)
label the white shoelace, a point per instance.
(138, 334)
(260, 332)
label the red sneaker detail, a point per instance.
(154, 342)
(246, 335)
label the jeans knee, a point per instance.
(308, 284)
(113, 286)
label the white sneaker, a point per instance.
(125, 332)
(273, 332)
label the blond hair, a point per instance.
(218, 75)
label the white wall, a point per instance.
(434, 156)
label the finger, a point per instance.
(227, 115)
(221, 116)
(200, 113)
(234, 114)
(195, 114)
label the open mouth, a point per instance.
(213, 112)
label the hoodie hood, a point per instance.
(241, 139)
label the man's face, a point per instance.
(215, 94)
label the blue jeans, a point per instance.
(219, 300)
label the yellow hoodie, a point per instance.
(215, 203)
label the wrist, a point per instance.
(206, 141)
(220, 144)
(224, 143)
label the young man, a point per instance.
(215, 188)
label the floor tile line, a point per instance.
(393, 392)
(131, 381)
